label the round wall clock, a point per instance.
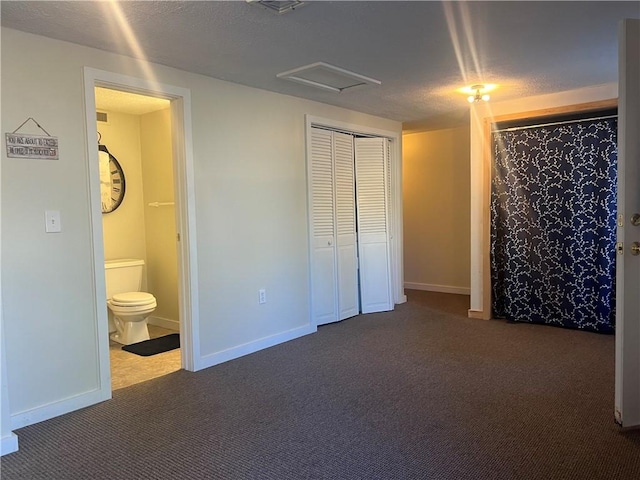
(112, 184)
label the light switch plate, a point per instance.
(52, 221)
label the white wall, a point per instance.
(436, 210)
(251, 220)
(495, 109)
(8, 439)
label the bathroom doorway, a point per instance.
(146, 127)
(140, 223)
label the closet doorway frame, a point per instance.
(538, 116)
(395, 233)
(184, 185)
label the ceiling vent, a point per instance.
(328, 77)
(277, 7)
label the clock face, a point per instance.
(112, 184)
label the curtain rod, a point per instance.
(512, 129)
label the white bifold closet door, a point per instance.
(372, 192)
(345, 207)
(334, 261)
(335, 288)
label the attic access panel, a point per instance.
(328, 77)
(277, 7)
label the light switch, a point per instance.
(52, 221)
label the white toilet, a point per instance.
(129, 306)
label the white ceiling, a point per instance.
(421, 51)
(116, 101)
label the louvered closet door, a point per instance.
(345, 195)
(323, 259)
(373, 223)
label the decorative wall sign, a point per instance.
(22, 145)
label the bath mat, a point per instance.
(154, 346)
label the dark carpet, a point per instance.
(154, 346)
(418, 393)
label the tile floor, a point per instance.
(128, 368)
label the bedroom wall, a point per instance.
(436, 178)
(251, 220)
(8, 439)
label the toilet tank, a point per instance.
(123, 275)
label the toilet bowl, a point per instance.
(130, 311)
(128, 306)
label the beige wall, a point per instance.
(436, 210)
(160, 222)
(123, 229)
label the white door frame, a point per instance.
(181, 133)
(627, 373)
(395, 233)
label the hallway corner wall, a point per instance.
(436, 203)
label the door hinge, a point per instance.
(178, 236)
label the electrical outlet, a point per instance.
(262, 296)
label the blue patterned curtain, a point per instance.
(553, 224)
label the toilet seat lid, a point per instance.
(132, 299)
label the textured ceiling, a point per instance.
(422, 51)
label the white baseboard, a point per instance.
(55, 409)
(252, 347)
(164, 323)
(479, 314)
(9, 444)
(437, 288)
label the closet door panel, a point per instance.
(323, 298)
(348, 298)
(373, 224)
(323, 245)
(344, 174)
(376, 296)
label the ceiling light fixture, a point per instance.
(478, 95)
